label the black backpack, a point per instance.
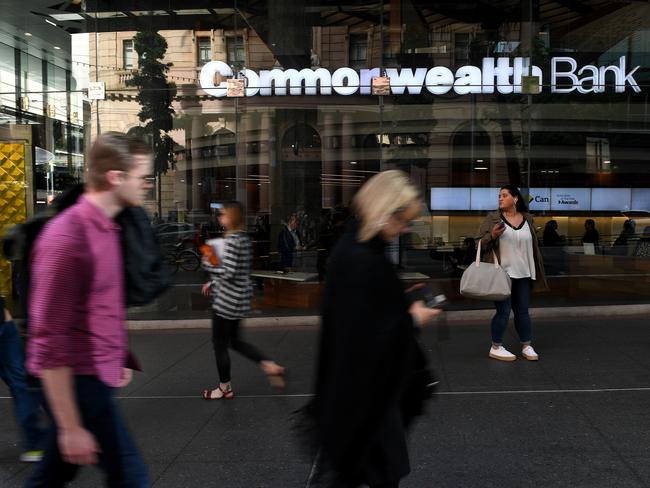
(146, 275)
(17, 243)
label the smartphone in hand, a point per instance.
(431, 297)
(437, 301)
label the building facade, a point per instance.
(280, 105)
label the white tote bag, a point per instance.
(485, 281)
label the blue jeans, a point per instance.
(27, 402)
(119, 458)
(518, 303)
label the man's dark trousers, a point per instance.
(119, 459)
(12, 371)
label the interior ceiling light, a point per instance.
(50, 22)
(28, 34)
(57, 47)
(66, 17)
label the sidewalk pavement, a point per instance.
(452, 316)
(577, 418)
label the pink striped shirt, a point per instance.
(77, 315)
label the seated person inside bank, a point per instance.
(289, 242)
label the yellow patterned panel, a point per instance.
(13, 196)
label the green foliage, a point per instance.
(155, 97)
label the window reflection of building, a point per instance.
(300, 168)
(204, 50)
(598, 158)
(128, 54)
(471, 163)
(306, 154)
(236, 55)
(358, 50)
(389, 52)
(461, 49)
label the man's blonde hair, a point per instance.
(382, 196)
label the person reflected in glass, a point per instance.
(642, 248)
(551, 237)
(469, 253)
(591, 235)
(231, 290)
(510, 233)
(289, 242)
(627, 234)
(367, 346)
(466, 255)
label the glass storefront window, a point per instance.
(461, 118)
(7, 77)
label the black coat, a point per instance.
(366, 359)
(146, 273)
(286, 247)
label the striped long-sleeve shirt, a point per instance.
(231, 285)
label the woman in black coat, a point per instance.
(368, 348)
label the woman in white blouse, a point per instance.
(510, 232)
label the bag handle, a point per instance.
(478, 256)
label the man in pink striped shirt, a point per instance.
(77, 320)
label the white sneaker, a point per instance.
(529, 353)
(502, 354)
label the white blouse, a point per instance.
(516, 252)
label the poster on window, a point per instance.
(450, 199)
(641, 199)
(484, 199)
(611, 199)
(539, 199)
(570, 199)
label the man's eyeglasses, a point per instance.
(145, 178)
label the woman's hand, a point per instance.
(205, 289)
(423, 315)
(414, 287)
(497, 230)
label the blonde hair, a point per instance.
(382, 196)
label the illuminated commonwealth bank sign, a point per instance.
(496, 75)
